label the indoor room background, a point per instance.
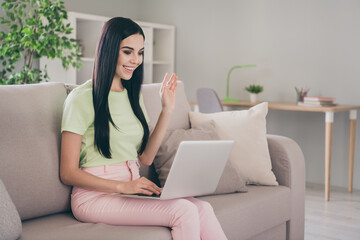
(307, 43)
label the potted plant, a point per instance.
(254, 90)
(35, 29)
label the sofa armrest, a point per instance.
(288, 166)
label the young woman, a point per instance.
(105, 133)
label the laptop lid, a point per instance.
(196, 169)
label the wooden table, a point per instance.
(329, 120)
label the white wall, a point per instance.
(109, 8)
(294, 43)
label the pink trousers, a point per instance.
(188, 218)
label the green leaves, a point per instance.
(36, 28)
(252, 88)
(25, 76)
(10, 15)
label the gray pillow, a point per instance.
(10, 222)
(230, 181)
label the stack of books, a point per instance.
(318, 102)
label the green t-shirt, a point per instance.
(78, 117)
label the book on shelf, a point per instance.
(318, 102)
(315, 104)
(319, 99)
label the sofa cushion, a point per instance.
(30, 147)
(241, 216)
(230, 181)
(10, 223)
(278, 232)
(180, 117)
(65, 226)
(250, 154)
(245, 215)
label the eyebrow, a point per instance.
(131, 48)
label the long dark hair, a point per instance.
(107, 53)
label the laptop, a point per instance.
(196, 170)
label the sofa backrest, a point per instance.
(180, 117)
(30, 120)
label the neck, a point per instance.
(116, 85)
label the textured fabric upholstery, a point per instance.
(10, 223)
(243, 215)
(278, 232)
(289, 167)
(65, 226)
(30, 147)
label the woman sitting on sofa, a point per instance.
(105, 133)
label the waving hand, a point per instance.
(167, 92)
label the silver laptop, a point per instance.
(196, 170)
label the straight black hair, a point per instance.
(107, 53)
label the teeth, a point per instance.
(129, 68)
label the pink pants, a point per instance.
(189, 218)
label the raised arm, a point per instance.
(167, 93)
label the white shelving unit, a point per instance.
(159, 50)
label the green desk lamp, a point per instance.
(227, 99)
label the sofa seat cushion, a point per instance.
(244, 215)
(65, 226)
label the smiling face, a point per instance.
(130, 56)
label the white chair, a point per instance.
(208, 101)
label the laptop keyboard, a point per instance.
(153, 195)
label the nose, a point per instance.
(136, 59)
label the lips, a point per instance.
(129, 69)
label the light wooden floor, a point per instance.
(337, 219)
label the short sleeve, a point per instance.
(142, 105)
(78, 112)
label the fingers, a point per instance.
(148, 187)
(164, 83)
(171, 84)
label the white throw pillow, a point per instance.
(248, 129)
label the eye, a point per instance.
(141, 53)
(127, 52)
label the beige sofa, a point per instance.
(30, 119)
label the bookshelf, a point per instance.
(159, 50)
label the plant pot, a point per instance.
(253, 97)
